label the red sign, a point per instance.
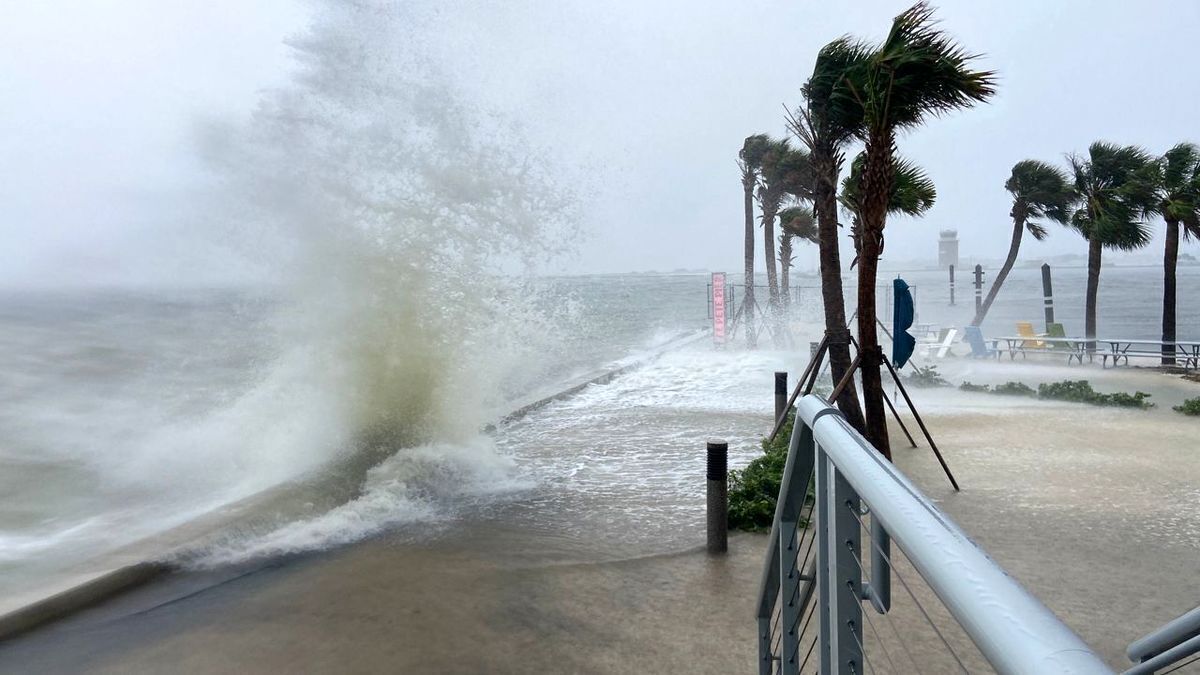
(718, 303)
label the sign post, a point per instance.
(718, 305)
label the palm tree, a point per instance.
(797, 222)
(913, 193)
(1039, 191)
(1175, 178)
(750, 159)
(825, 125)
(1113, 198)
(772, 189)
(917, 72)
(794, 175)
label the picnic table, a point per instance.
(1185, 350)
(1074, 348)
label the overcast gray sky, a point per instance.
(102, 99)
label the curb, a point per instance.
(80, 597)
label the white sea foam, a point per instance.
(425, 484)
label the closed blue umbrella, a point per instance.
(902, 318)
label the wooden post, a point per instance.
(1047, 295)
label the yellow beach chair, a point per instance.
(1025, 330)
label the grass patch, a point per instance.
(1081, 391)
(1190, 407)
(754, 491)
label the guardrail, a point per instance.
(852, 483)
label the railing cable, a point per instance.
(811, 648)
(912, 595)
(862, 648)
(870, 623)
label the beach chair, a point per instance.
(979, 346)
(944, 347)
(1071, 349)
(1025, 330)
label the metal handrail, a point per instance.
(1013, 630)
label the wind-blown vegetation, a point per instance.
(754, 491)
(1081, 391)
(1113, 199)
(916, 73)
(1078, 391)
(1190, 407)
(1039, 191)
(1175, 184)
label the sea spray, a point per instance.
(386, 205)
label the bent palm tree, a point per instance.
(772, 188)
(795, 177)
(916, 73)
(825, 125)
(1176, 183)
(750, 159)
(1114, 196)
(794, 222)
(1039, 191)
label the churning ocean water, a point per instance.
(128, 412)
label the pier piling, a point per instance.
(1047, 295)
(718, 496)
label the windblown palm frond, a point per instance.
(918, 71)
(799, 222)
(786, 171)
(1114, 195)
(913, 192)
(754, 150)
(1040, 191)
(1176, 183)
(834, 112)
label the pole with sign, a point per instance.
(718, 305)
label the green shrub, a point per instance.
(754, 491)
(1189, 407)
(1014, 389)
(926, 377)
(967, 386)
(1081, 391)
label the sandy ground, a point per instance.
(1096, 511)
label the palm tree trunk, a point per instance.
(1013, 247)
(785, 265)
(768, 217)
(832, 294)
(1170, 260)
(1093, 288)
(748, 299)
(876, 187)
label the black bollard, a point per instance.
(781, 394)
(718, 496)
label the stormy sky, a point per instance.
(647, 102)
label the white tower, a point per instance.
(948, 249)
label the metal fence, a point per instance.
(840, 500)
